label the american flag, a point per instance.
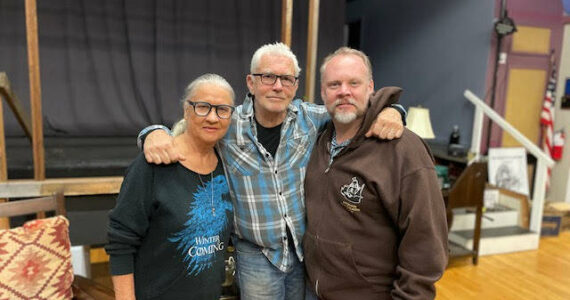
(547, 118)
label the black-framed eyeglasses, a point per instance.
(202, 109)
(270, 79)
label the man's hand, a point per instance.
(388, 125)
(159, 148)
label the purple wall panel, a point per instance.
(544, 13)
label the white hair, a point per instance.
(179, 127)
(279, 49)
(208, 78)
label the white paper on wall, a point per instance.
(508, 170)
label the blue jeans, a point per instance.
(310, 294)
(259, 279)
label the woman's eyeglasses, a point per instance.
(202, 109)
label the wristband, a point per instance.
(401, 110)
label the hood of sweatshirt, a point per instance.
(378, 100)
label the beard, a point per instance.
(344, 117)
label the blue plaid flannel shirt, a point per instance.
(268, 191)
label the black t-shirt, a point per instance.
(269, 137)
(171, 227)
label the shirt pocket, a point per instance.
(299, 151)
(243, 159)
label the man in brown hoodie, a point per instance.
(376, 225)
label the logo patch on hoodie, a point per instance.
(352, 192)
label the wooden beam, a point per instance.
(22, 208)
(312, 41)
(286, 21)
(68, 186)
(4, 222)
(3, 166)
(35, 89)
(21, 114)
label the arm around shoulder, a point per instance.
(147, 130)
(317, 113)
(390, 120)
(159, 147)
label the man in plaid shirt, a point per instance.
(265, 153)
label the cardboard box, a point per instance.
(550, 224)
(563, 210)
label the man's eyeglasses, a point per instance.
(270, 79)
(202, 109)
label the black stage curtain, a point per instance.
(111, 67)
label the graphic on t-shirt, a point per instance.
(201, 237)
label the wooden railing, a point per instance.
(543, 160)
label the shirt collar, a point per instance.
(335, 145)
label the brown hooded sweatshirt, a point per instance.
(376, 224)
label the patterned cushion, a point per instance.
(35, 260)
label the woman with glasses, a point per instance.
(170, 228)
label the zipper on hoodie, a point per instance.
(330, 158)
(317, 288)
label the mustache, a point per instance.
(338, 102)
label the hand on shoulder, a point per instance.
(160, 148)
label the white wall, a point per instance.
(559, 190)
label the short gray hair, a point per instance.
(208, 78)
(278, 49)
(347, 51)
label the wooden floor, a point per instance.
(539, 274)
